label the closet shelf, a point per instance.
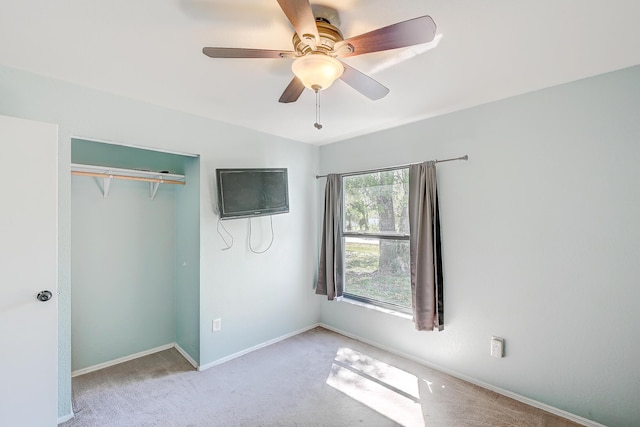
(108, 173)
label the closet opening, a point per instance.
(135, 253)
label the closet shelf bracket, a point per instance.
(106, 185)
(153, 189)
(108, 174)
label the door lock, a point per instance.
(44, 296)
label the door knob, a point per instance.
(44, 296)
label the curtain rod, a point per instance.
(465, 157)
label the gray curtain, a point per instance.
(424, 244)
(331, 269)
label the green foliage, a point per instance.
(378, 203)
(364, 278)
(369, 196)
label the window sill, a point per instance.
(392, 312)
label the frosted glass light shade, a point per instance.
(317, 71)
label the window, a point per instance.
(376, 236)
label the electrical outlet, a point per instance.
(216, 325)
(497, 347)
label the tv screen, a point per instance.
(252, 192)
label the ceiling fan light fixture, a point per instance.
(317, 71)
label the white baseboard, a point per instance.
(121, 360)
(256, 347)
(65, 418)
(507, 393)
(186, 356)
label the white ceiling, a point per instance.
(152, 51)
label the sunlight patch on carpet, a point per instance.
(386, 389)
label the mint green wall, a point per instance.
(258, 297)
(540, 235)
(119, 156)
(187, 260)
(123, 271)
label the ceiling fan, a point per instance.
(318, 42)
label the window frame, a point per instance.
(384, 236)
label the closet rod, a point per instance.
(132, 178)
(465, 157)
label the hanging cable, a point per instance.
(317, 124)
(270, 243)
(221, 225)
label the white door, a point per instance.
(28, 265)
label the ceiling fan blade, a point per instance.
(364, 84)
(231, 52)
(292, 92)
(301, 17)
(407, 33)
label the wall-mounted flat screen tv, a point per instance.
(252, 192)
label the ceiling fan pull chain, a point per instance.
(317, 124)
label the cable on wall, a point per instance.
(221, 225)
(270, 243)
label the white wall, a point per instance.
(541, 232)
(255, 295)
(259, 297)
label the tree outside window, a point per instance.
(376, 233)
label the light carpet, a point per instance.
(317, 378)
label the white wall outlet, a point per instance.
(497, 347)
(216, 325)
